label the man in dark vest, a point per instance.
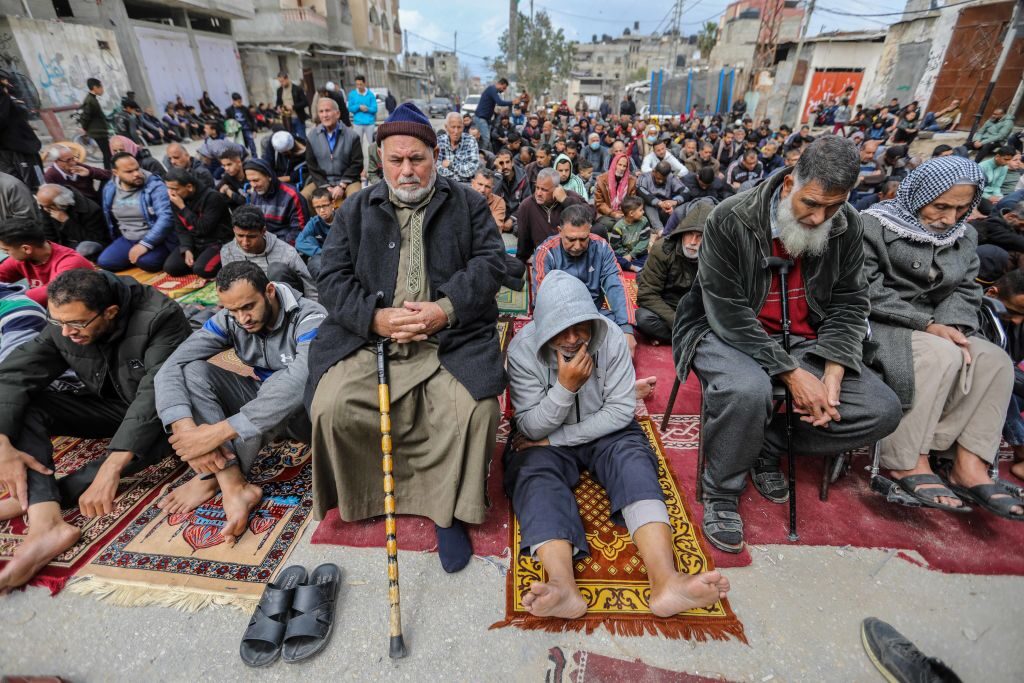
(334, 157)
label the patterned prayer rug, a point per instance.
(182, 561)
(205, 296)
(613, 578)
(512, 303)
(629, 280)
(135, 492)
(580, 666)
(504, 334)
(174, 287)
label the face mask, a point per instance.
(651, 139)
(595, 146)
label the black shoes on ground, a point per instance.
(898, 659)
(453, 546)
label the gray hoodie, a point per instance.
(546, 409)
(276, 252)
(278, 356)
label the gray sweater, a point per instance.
(544, 408)
(277, 355)
(275, 252)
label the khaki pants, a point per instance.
(953, 403)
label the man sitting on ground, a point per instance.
(596, 153)
(21, 319)
(729, 330)
(310, 242)
(139, 218)
(334, 155)
(1009, 290)
(705, 159)
(669, 274)
(32, 257)
(704, 183)
(285, 155)
(458, 156)
(279, 260)
(68, 172)
(284, 209)
(555, 442)
(746, 169)
(659, 154)
(70, 219)
(219, 418)
(233, 181)
(539, 215)
(203, 226)
(995, 168)
(114, 333)
(661, 192)
(1004, 228)
(178, 157)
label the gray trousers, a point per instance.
(656, 218)
(217, 394)
(653, 325)
(739, 424)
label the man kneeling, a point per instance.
(220, 418)
(572, 382)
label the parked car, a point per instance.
(422, 105)
(440, 107)
(469, 106)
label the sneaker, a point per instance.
(897, 659)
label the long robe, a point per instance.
(442, 438)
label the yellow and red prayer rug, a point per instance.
(174, 287)
(181, 560)
(613, 578)
(133, 494)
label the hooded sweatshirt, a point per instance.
(544, 408)
(284, 209)
(21, 319)
(276, 251)
(574, 183)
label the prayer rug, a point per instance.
(613, 578)
(513, 303)
(177, 287)
(204, 296)
(141, 276)
(975, 543)
(134, 492)
(629, 280)
(580, 666)
(182, 561)
(504, 334)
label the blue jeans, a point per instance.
(249, 142)
(1013, 428)
(637, 261)
(485, 132)
(115, 256)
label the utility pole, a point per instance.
(1009, 33)
(513, 43)
(796, 61)
(455, 43)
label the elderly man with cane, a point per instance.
(416, 260)
(730, 325)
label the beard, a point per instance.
(691, 252)
(408, 196)
(797, 238)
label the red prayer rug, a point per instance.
(580, 666)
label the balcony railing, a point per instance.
(303, 16)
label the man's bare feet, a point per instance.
(48, 536)
(683, 592)
(645, 387)
(238, 502)
(10, 508)
(189, 496)
(555, 599)
(924, 467)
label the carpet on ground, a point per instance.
(174, 287)
(581, 666)
(975, 543)
(513, 303)
(631, 287)
(613, 578)
(204, 296)
(133, 494)
(181, 560)
(417, 533)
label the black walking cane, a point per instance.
(783, 265)
(397, 642)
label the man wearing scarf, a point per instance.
(417, 260)
(728, 329)
(611, 188)
(921, 262)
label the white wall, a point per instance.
(170, 67)
(222, 68)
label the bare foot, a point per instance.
(683, 592)
(38, 549)
(1017, 470)
(238, 503)
(10, 508)
(924, 468)
(555, 599)
(645, 387)
(189, 496)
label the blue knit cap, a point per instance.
(407, 119)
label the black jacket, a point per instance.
(85, 223)
(16, 135)
(995, 230)
(718, 190)
(464, 261)
(92, 119)
(205, 220)
(298, 99)
(148, 328)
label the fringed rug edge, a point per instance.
(619, 626)
(134, 594)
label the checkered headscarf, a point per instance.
(920, 188)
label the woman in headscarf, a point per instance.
(611, 188)
(921, 262)
(121, 143)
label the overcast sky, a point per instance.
(480, 22)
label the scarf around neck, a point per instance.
(920, 188)
(617, 188)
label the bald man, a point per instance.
(458, 154)
(178, 157)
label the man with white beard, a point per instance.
(416, 260)
(728, 329)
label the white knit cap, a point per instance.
(282, 141)
(330, 86)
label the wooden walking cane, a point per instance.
(397, 643)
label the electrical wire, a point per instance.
(893, 14)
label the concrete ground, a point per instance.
(801, 608)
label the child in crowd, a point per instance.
(586, 173)
(630, 237)
(277, 258)
(310, 241)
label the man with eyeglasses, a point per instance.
(114, 333)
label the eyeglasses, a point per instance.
(74, 326)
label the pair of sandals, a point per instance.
(294, 618)
(998, 498)
(722, 524)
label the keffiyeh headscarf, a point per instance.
(920, 188)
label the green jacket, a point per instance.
(732, 285)
(92, 118)
(668, 274)
(996, 131)
(148, 328)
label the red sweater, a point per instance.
(770, 315)
(39, 275)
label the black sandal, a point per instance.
(261, 642)
(992, 497)
(312, 620)
(723, 526)
(770, 483)
(929, 497)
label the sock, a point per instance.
(453, 546)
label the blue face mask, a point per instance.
(595, 146)
(651, 139)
